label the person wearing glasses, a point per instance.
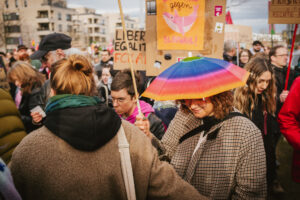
(244, 57)
(125, 104)
(278, 58)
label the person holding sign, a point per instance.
(125, 104)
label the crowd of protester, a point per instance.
(63, 142)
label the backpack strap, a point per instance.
(126, 164)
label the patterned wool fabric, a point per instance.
(230, 166)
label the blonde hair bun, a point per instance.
(80, 63)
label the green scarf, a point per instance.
(70, 101)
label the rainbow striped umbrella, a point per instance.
(194, 78)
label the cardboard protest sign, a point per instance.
(214, 23)
(240, 34)
(180, 24)
(137, 46)
(284, 12)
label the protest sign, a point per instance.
(284, 12)
(137, 47)
(213, 42)
(180, 24)
(240, 34)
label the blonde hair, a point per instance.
(73, 76)
(245, 97)
(28, 76)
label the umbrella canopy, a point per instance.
(194, 78)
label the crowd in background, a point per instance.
(81, 94)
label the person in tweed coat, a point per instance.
(224, 156)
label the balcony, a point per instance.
(43, 27)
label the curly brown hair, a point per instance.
(222, 103)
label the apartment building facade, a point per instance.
(89, 27)
(27, 21)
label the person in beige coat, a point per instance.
(76, 155)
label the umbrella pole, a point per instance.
(291, 56)
(130, 59)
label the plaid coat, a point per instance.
(231, 165)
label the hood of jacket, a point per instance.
(84, 128)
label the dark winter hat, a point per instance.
(256, 42)
(22, 46)
(52, 42)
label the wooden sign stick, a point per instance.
(130, 60)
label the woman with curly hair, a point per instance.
(216, 149)
(29, 81)
(257, 101)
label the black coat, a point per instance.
(258, 118)
(280, 75)
(28, 102)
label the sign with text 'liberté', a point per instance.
(180, 24)
(137, 47)
(284, 12)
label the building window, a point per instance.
(95, 21)
(91, 40)
(59, 16)
(25, 3)
(17, 4)
(90, 20)
(69, 28)
(11, 16)
(69, 17)
(102, 22)
(103, 31)
(12, 29)
(6, 3)
(151, 7)
(12, 40)
(59, 27)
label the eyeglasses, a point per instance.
(119, 100)
(283, 55)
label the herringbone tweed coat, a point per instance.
(231, 165)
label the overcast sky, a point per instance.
(252, 13)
